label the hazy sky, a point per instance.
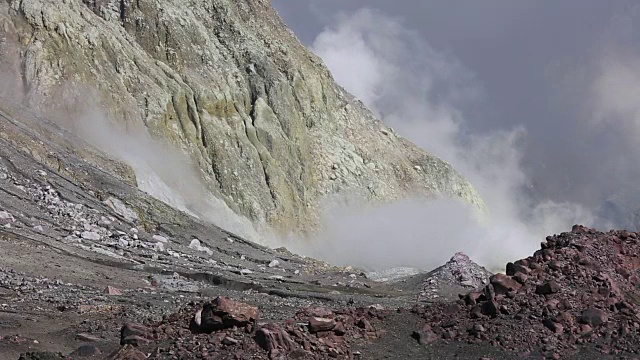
(566, 73)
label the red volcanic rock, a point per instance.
(580, 287)
(320, 324)
(503, 283)
(549, 287)
(223, 313)
(271, 337)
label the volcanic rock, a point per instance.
(223, 313)
(271, 337)
(459, 271)
(503, 284)
(425, 336)
(127, 352)
(593, 317)
(317, 324)
(549, 287)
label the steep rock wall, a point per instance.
(227, 82)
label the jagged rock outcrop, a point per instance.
(228, 83)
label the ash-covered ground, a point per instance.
(91, 267)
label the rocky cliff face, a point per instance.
(227, 82)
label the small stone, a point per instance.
(6, 216)
(123, 243)
(246, 272)
(229, 341)
(274, 263)
(113, 291)
(553, 326)
(550, 287)
(90, 235)
(162, 239)
(425, 336)
(594, 317)
(490, 308)
(135, 340)
(87, 338)
(85, 351)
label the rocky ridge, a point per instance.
(581, 287)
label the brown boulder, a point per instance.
(317, 324)
(513, 268)
(135, 334)
(425, 336)
(503, 283)
(223, 313)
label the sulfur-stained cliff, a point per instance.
(227, 82)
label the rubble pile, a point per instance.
(581, 287)
(225, 327)
(458, 271)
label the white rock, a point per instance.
(38, 228)
(195, 245)
(123, 242)
(90, 235)
(41, 172)
(159, 238)
(133, 230)
(297, 272)
(3, 176)
(276, 277)
(246, 272)
(242, 257)
(274, 263)
(159, 246)
(4, 215)
(121, 209)
(353, 276)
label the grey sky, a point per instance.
(537, 63)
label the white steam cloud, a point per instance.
(164, 172)
(422, 93)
